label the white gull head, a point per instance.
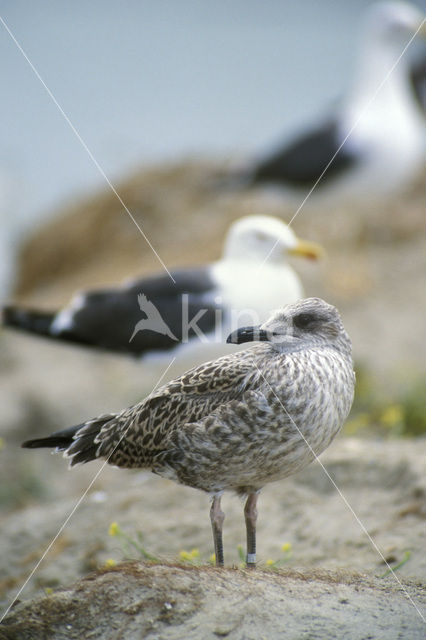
(259, 238)
(393, 22)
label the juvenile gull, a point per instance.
(239, 422)
(166, 313)
(385, 149)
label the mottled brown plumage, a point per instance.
(238, 422)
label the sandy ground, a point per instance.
(373, 272)
(168, 602)
(382, 482)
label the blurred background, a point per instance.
(145, 82)
(165, 95)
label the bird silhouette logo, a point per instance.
(153, 320)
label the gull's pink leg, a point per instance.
(217, 517)
(250, 514)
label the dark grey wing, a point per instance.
(301, 162)
(418, 81)
(107, 318)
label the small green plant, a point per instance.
(376, 410)
(407, 556)
(128, 543)
(286, 551)
(241, 556)
(414, 404)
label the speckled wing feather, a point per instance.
(293, 407)
(134, 437)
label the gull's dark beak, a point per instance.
(247, 334)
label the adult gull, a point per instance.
(374, 143)
(192, 315)
(238, 422)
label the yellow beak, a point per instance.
(306, 249)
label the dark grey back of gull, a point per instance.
(107, 317)
(301, 162)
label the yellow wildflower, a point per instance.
(110, 563)
(270, 562)
(286, 547)
(392, 415)
(212, 558)
(114, 529)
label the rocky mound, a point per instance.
(136, 600)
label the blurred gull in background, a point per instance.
(374, 144)
(418, 79)
(199, 308)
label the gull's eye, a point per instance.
(304, 320)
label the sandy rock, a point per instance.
(135, 600)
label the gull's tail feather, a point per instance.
(41, 323)
(79, 442)
(60, 440)
(38, 322)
